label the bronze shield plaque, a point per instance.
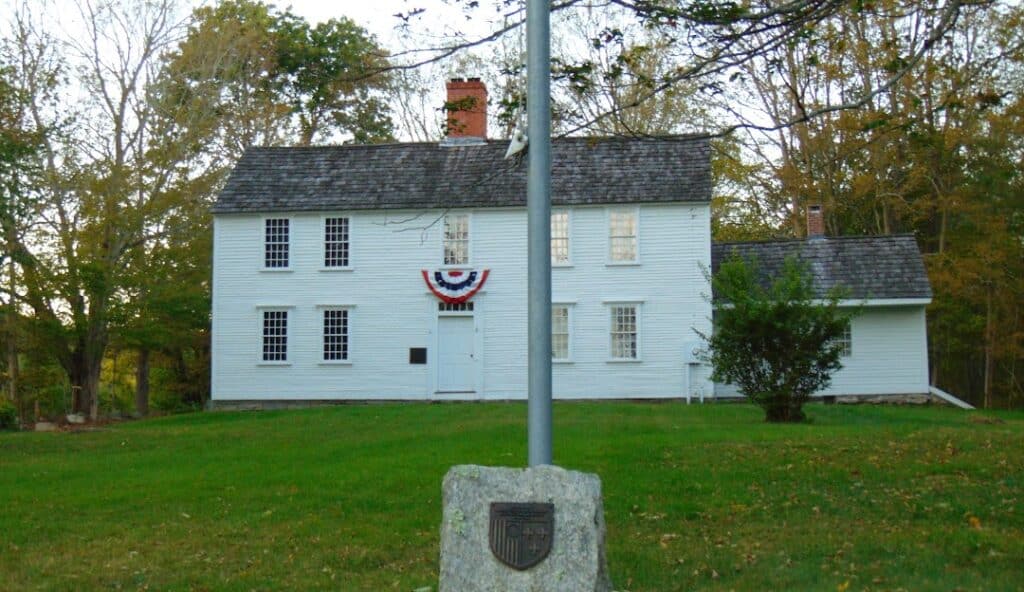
(521, 533)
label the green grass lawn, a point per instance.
(348, 498)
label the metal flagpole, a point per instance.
(538, 205)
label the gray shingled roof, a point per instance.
(426, 175)
(870, 267)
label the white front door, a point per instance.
(456, 366)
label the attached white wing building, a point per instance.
(398, 272)
(885, 349)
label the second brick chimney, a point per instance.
(815, 221)
(467, 108)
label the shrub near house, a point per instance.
(776, 343)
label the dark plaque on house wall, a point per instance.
(521, 533)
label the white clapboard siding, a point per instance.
(889, 355)
(392, 310)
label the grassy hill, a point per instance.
(348, 498)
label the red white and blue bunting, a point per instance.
(455, 286)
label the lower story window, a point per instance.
(335, 335)
(625, 336)
(845, 342)
(559, 332)
(275, 336)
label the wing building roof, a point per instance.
(869, 267)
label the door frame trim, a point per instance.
(478, 351)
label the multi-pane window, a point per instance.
(559, 237)
(622, 235)
(456, 239)
(559, 332)
(845, 342)
(275, 253)
(336, 242)
(335, 334)
(624, 332)
(275, 336)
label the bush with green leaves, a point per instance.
(776, 341)
(8, 416)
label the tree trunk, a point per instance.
(142, 383)
(989, 344)
(785, 414)
(783, 408)
(13, 368)
(13, 372)
(84, 374)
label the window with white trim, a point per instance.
(275, 336)
(845, 341)
(559, 237)
(456, 239)
(622, 235)
(335, 242)
(559, 332)
(335, 334)
(275, 242)
(625, 331)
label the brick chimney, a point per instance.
(467, 108)
(815, 221)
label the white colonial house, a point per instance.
(398, 272)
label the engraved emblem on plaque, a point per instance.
(520, 533)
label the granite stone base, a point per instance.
(576, 561)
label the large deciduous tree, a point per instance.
(145, 111)
(263, 77)
(19, 143)
(98, 201)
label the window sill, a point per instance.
(276, 270)
(273, 363)
(622, 263)
(623, 360)
(567, 361)
(562, 265)
(454, 267)
(335, 363)
(330, 269)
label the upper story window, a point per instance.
(622, 236)
(456, 239)
(275, 243)
(625, 332)
(275, 336)
(336, 242)
(560, 237)
(560, 332)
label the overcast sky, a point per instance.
(378, 17)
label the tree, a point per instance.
(775, 342)
(18, 147)
(263, 77)
(99, 201)
(937, 154)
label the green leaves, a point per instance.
(267, 77)
(774, 340)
